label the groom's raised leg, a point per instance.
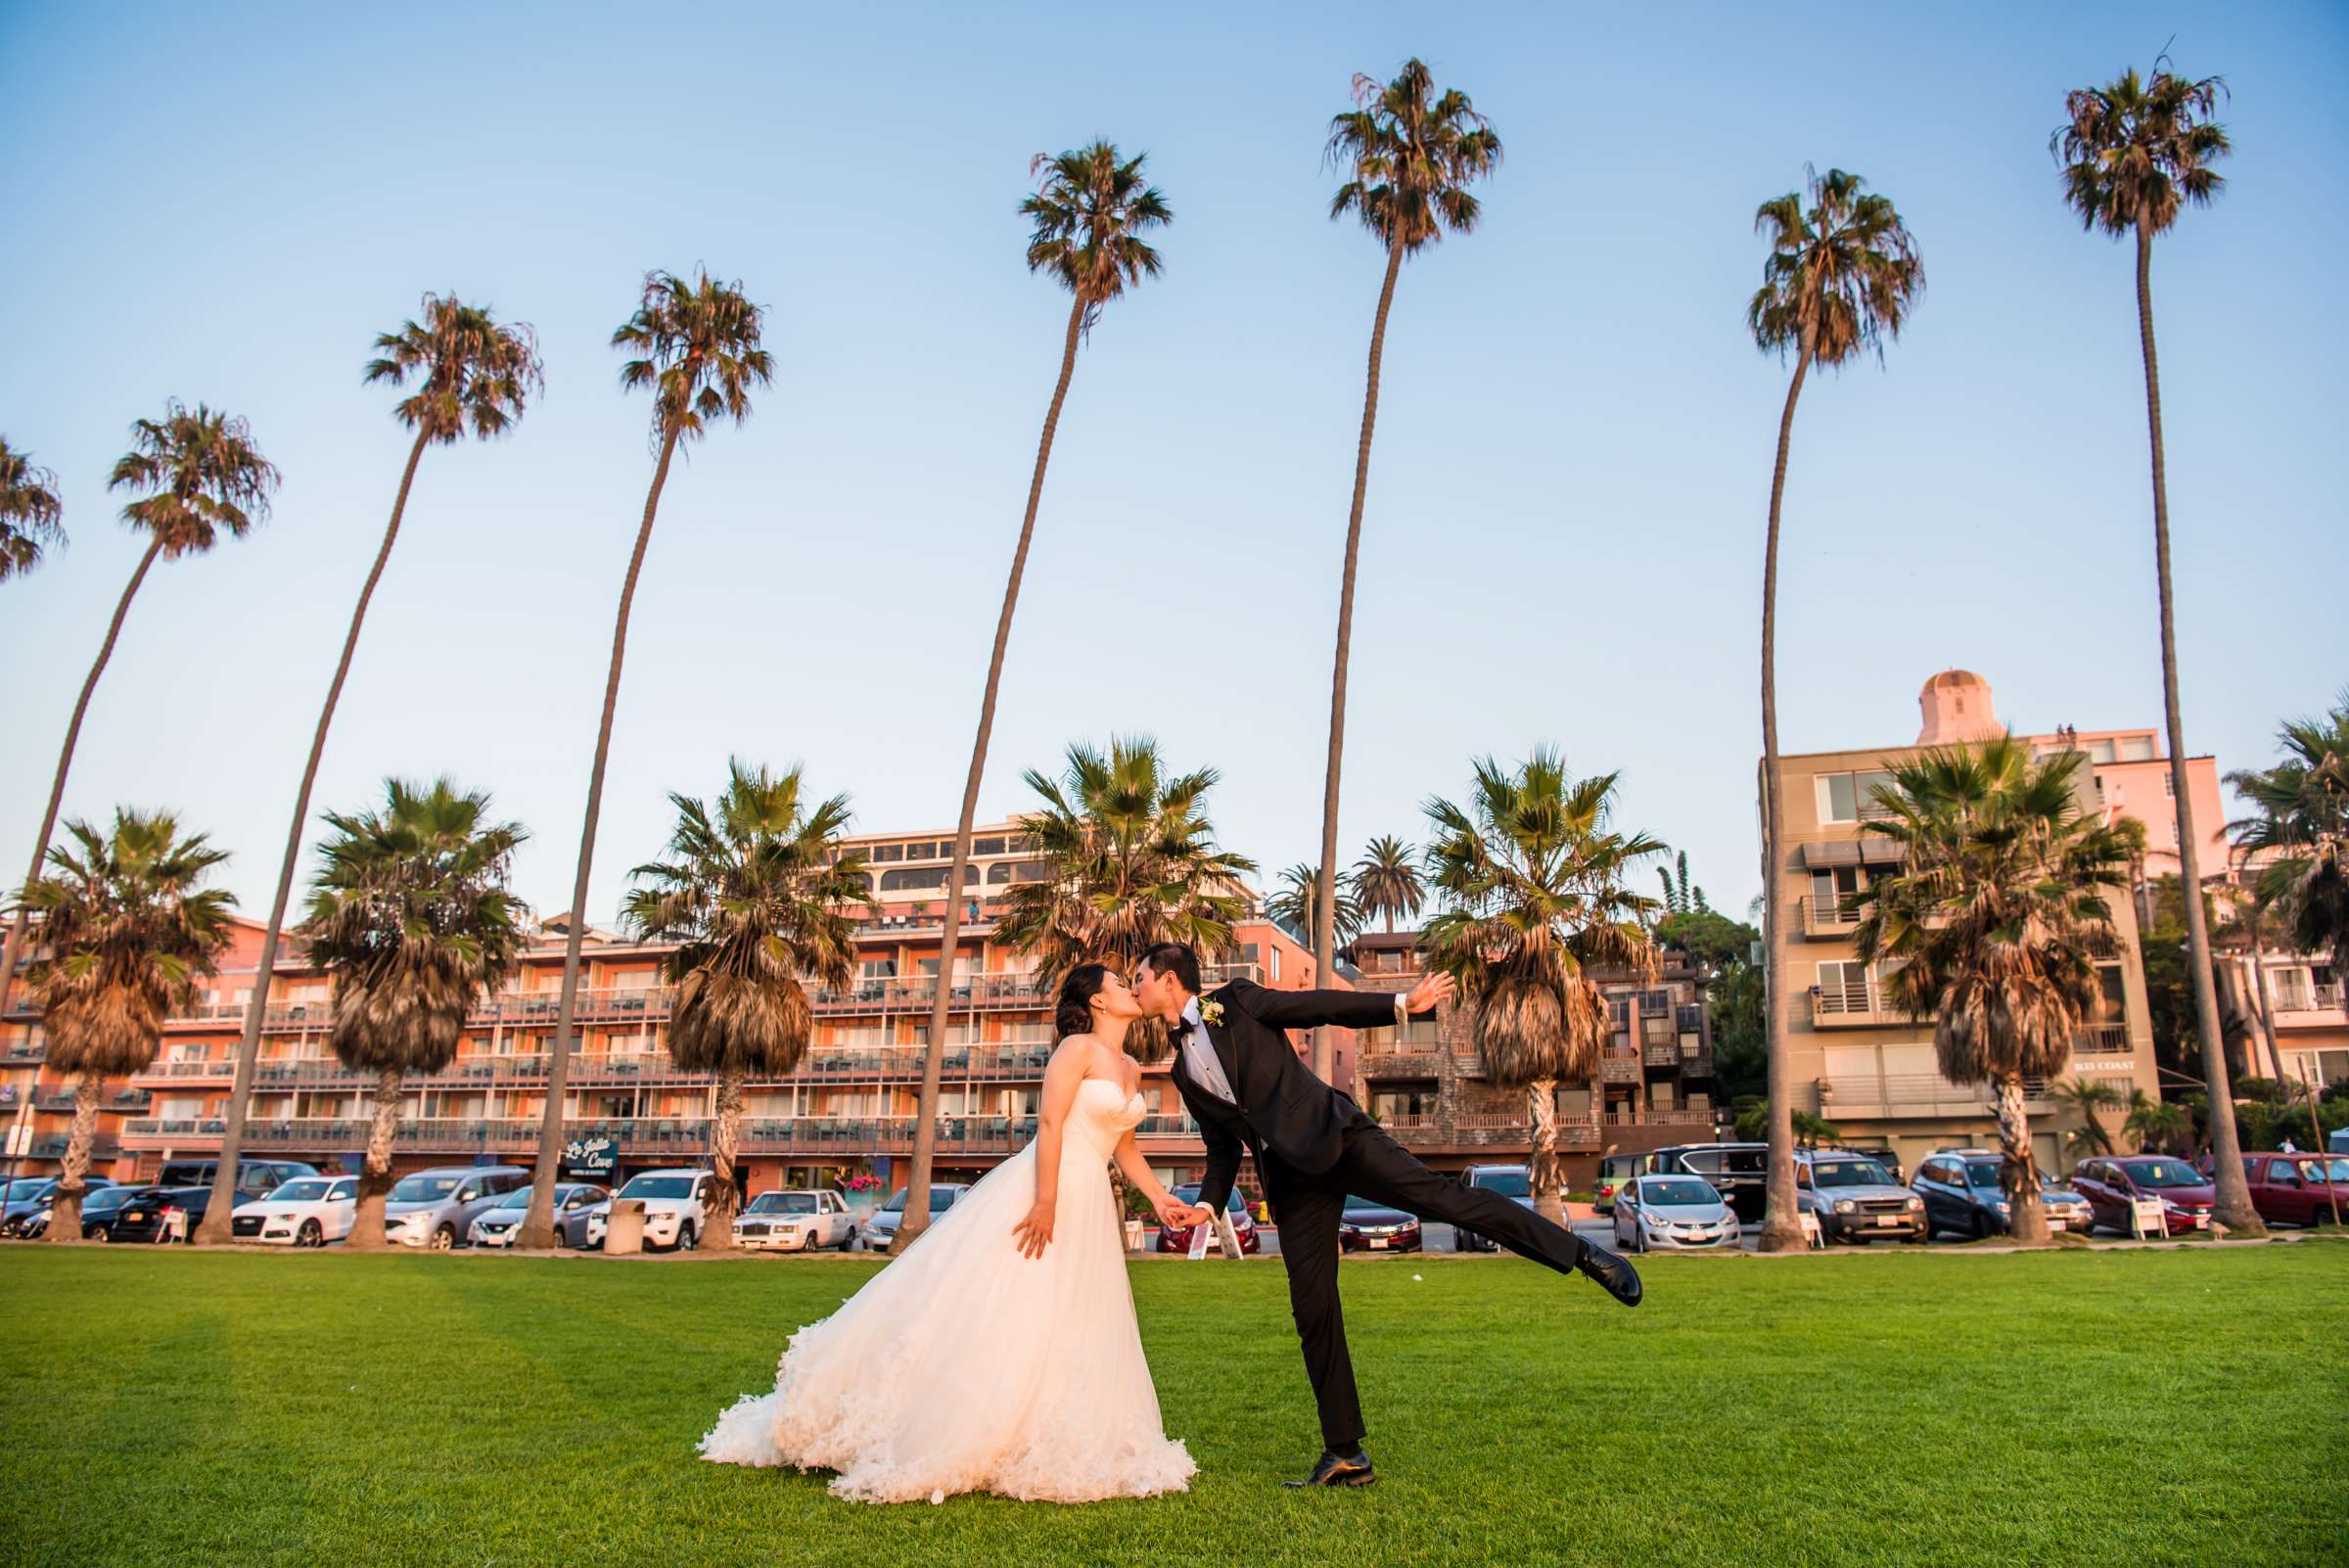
(1307, 1218)
(1378, 1166)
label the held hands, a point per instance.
(1436, 988)
(1035, 1234)
(1176, 1214)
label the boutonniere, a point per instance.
(1211, 1011)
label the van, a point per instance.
(255, 1178)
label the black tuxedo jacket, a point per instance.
(1282, 1106)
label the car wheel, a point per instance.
(445, 1239)
(311, 1234)
(96, 1234)
(1983, 1229)
(848, 1240)
(685, 1238)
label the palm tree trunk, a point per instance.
(215, 1226)
(1543, 1096)
(725, 1137)
(65, 1210)
(2232, 1208)
(14, 948)
(2267, 1006)
(2026, 1215)
(375, 1170)
(1781, 1224)
(539, 1222)
(1325, 886)
(934, 1056)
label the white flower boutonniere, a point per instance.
(1211, 1012)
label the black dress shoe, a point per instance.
(1339, 1470)
(1615, 1274)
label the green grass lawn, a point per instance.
(2133, 1407)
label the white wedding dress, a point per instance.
(964, 1365)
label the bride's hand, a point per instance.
(1035, 1234)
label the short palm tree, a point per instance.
(1531, 875)
(2299, 827)
(470, 372)
(28, 512)
(1410, 152)
(1130, 860)
(2134, 153)
(1089, 211)
(129, 932)
(2089, 1098)
(1386, 882)
(1993, 924)
(1841, 278)
(1293, 902)
(750, 896)
(2162, 1127)
(411, 916)
(701, 354)
(198, 475)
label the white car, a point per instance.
(305, 1212)
(675, 1205)
(797, 1220)
(1675, 1211)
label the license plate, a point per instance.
(2055, 1223)
(1378, 1243)
(1888, 1219)
(2201, 1221)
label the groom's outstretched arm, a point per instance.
(1310, 1009)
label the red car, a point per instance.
(1242, 1225)
(2299, 1189)
(1368, 1227)
(2112, 1184)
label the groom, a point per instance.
(1246, 1088)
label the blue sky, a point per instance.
(1564, 532)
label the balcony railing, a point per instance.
(1900, 1094)
(2308, 999)
(1402, 1063)
(1619, 1064)
(1825, 918)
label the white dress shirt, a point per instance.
(1199, 1057)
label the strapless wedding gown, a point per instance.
(965, 1367)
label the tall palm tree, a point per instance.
(749, 895)
(1531, 872)
(28, 512)
(701, 354)
(470, 371)
(199, 476)
(129, 932)
(1387, 883)
(412, 917)
(1089, 213)
(1294, 901)
(1841, 277)
(2134, 153)
(1410, 154)
(1993, 924)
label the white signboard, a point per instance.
(2146, 1217)
(1811, 1235)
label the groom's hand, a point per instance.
(1436, 988)
(1175, 1215)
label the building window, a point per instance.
(987, 846)
(889, 852)
(903, 881)
(1850, 796)
(2137, 748)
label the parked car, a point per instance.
(97, 1208)
(879, 1233)
(1177, 1238)
(498, 1225)
(255, 1178)
(1368, 1227)
(1614, 1171)
(2299, 1189)
(2112, 1184)
(146, 1214)
(583, 1228)
(305, 1212)
(794, 1219)
(1961, 1192)
(1514, 1182)
(1877, 1152)
(1738, 1172)
(1677, 1213)
(1856, 1199)
(676, 1206)
(28, 1196)
(436, 1208)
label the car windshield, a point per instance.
(659, 1186)
(2165, 1173)
(1982, 1172)
(427, 1187)
(939, 1199)
(105, 1198)
(520, 1198)
(1676, 1190)
(1361, 1205)
(29, 1188)
(1848, 1174)
(1509, 1183)
(782, 1203)
(304, 1191)
(1234, 1204)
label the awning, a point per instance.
(1833, 852)
(1881, 851)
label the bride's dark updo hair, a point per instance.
(1072, 1013)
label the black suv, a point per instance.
(255, 1178)
(1738, 1172)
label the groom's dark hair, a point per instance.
(1173, 958)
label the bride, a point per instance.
(999, 1353)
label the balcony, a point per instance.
(1405, 1063)
(180, 1072)
(1619, 1064)
(62, 1101)
(1896, 1096)
(1857, 1006)
(1664, 1053)
(52, 1146)
(2309, 1006)
(1825, 919)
